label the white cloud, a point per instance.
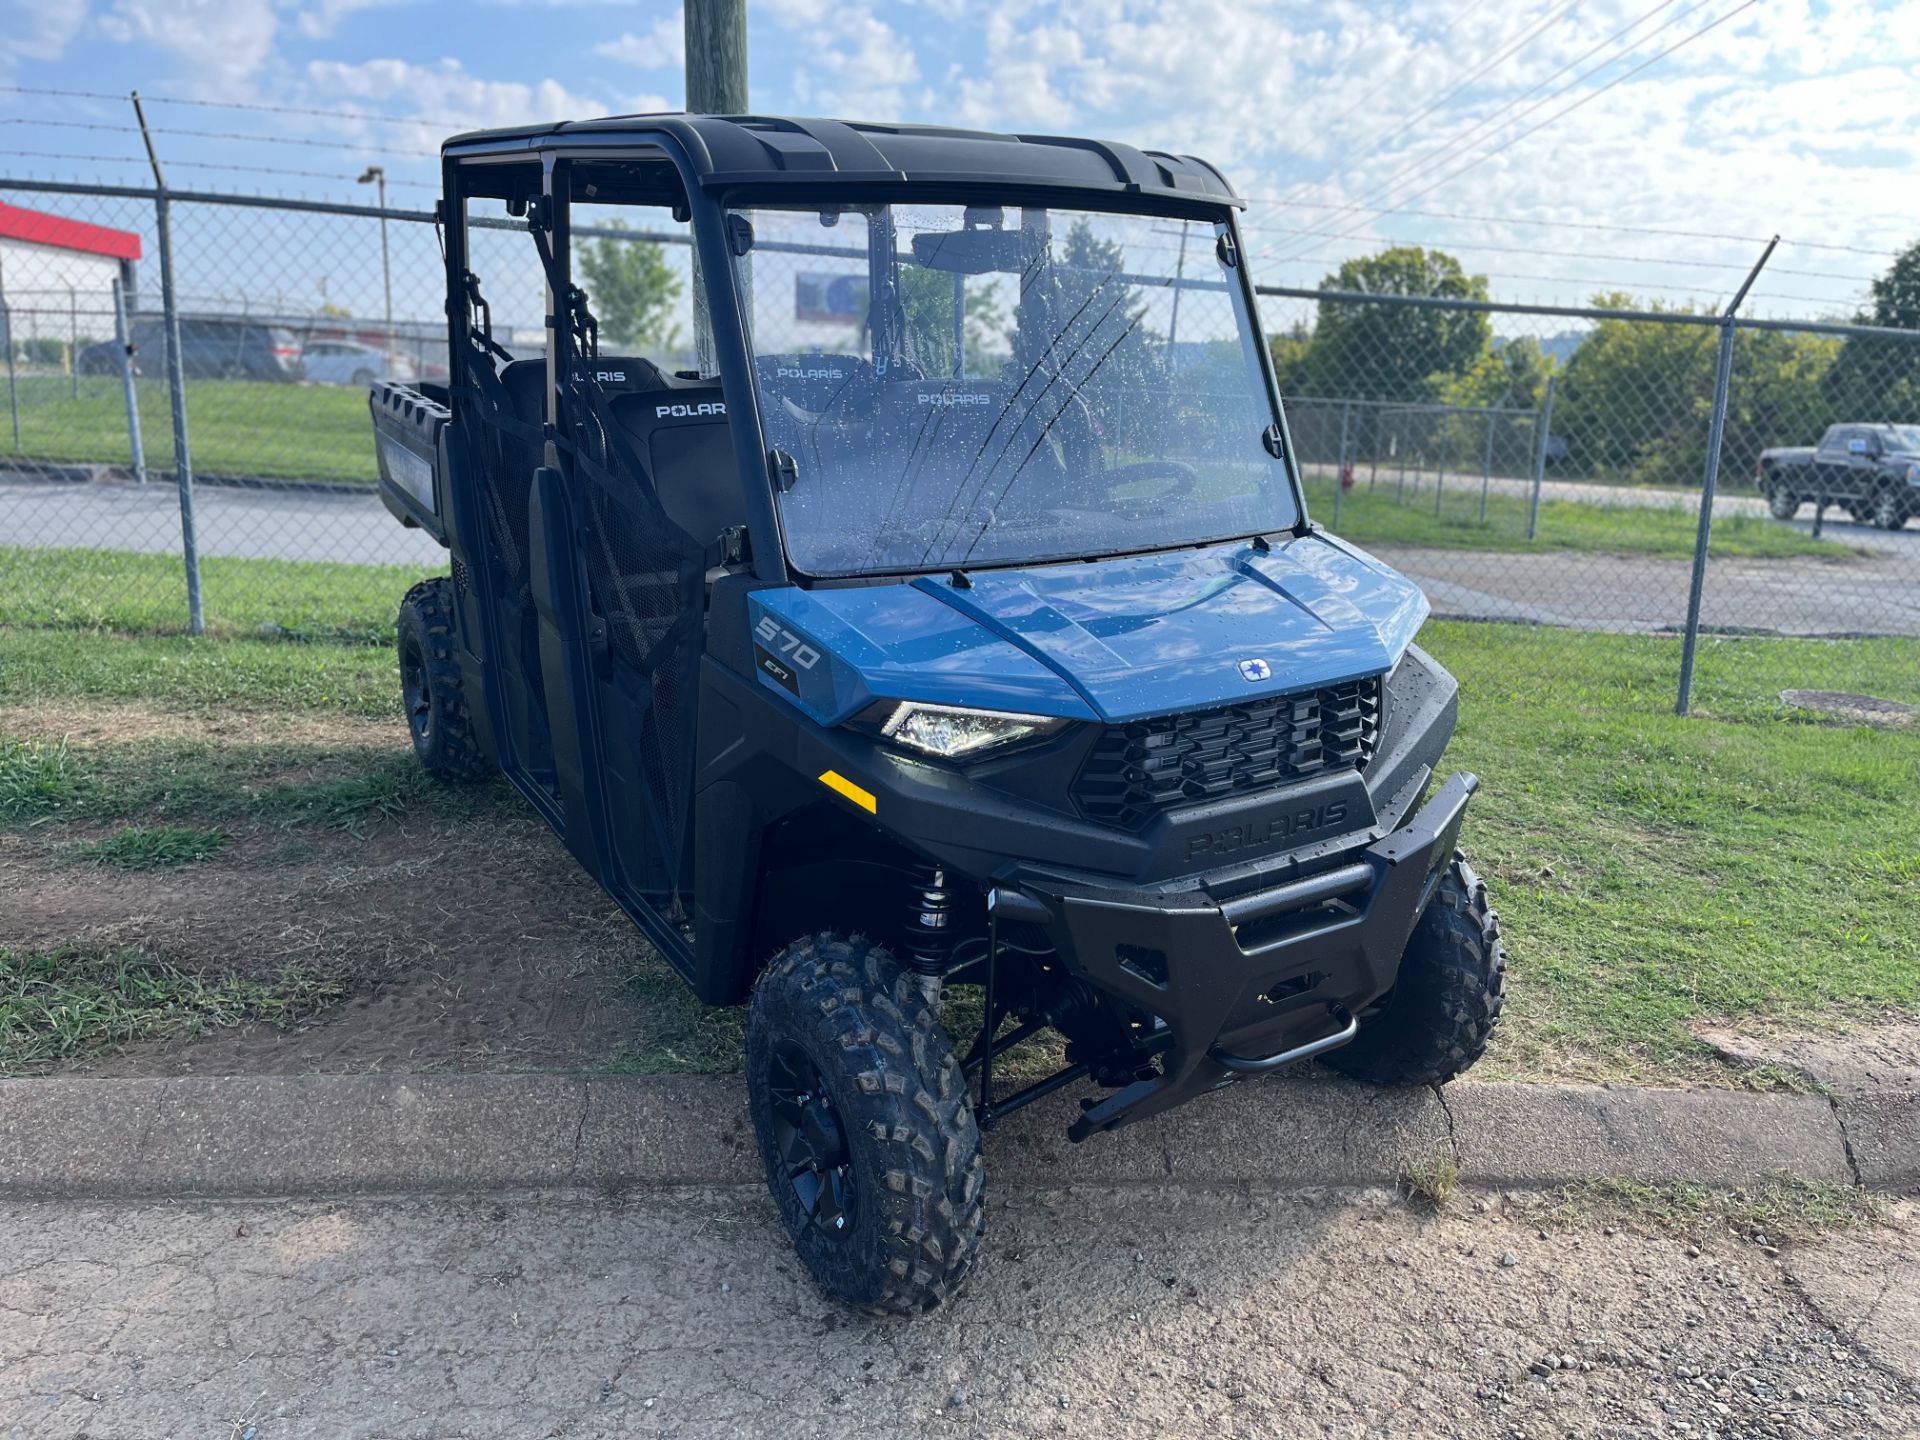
(663, 45)
(222, 40)
(38, 29)
(319, 21)
(847, 62)
(447, 92)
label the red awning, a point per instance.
(35, 227)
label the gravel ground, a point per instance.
(1150, 1311)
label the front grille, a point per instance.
(1135, 771)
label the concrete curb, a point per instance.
(339, 1134)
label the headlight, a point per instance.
(954, 731)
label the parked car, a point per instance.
(1872, 471)
(348, 362)
(210, 349)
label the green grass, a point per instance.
(1379, 515)
(181, 673)
(147, 595)
(151, 847)
(178, 781)
(1748, 863)
(234, 427)
(1652, 870)
(56, 1004)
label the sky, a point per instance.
(1549, 144)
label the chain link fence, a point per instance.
(1540, 468)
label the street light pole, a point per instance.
(378, 176)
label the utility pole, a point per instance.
(716, 56)
(377, 175)
(716, 35)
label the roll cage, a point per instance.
(702, 166)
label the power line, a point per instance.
(1527, 38)
(1457, 144)
(1308, 186)
(1541, 125)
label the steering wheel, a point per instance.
(1183, 475)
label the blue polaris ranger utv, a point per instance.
(946, 638)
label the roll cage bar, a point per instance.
(722, 161)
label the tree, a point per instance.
(1637, 396)
(926, 298)
(1395, 352)
(1091, 325)
(631, 289)
(1290, 348)
(1877, 379)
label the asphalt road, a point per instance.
(279, 524)
(1879, 595)
(1150, 1311)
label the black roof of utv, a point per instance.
(772, 151)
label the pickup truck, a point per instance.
(1871, 471)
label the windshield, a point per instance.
(1904, 438)
(960, 385)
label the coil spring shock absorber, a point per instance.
(928, 941)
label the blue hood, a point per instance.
(1111, 639)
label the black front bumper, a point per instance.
(1262, 978)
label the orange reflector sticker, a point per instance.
(835, 781)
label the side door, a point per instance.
(1833, 465)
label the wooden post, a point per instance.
(716, 33)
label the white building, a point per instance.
(56, 277)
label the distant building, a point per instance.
(56, 276)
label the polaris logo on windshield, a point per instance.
(787, 373)
(689, 412)
(963, 398)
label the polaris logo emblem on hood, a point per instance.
(688, 412)
(1254, 671)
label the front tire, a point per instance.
(1447, 999)
(430, 686)
(1782, 504)
(1888, 513)
(865, 1126)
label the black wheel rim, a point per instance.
(416, 690)
(811, 1142)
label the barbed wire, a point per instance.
(256, 106)
(210, 165)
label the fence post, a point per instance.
(6, 342)
(1545, 423)
(1486, 471)
(1716, 432)
(1340, 467)
(123, 340)
(176, 381)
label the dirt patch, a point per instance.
(96, 723)
(1878, 1057)
(471, 946)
